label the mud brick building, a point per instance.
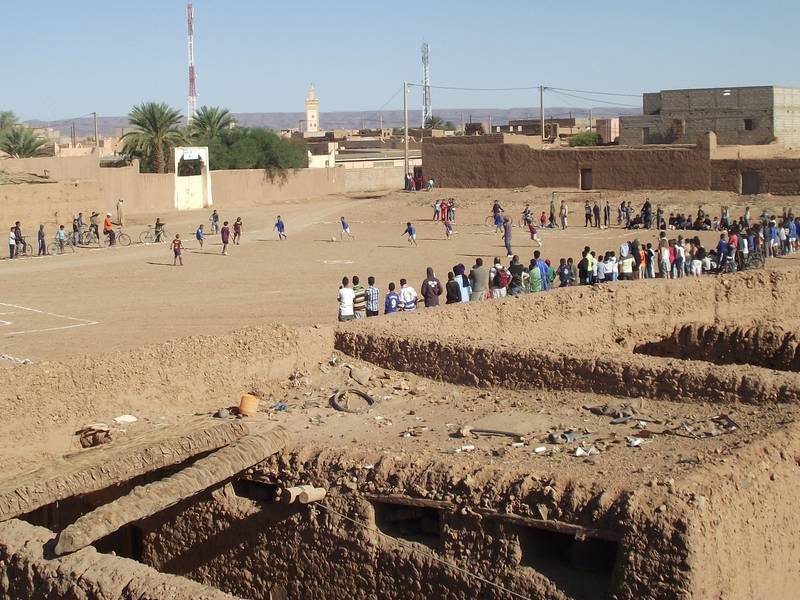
(743, 115)
(503, 161)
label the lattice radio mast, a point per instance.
(192, 104)
(427, 113)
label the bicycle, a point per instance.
(56, 246)
(24, 248)
(149, 236)
(89, 238)
(122, 238)
(489, 221)
(755, 260)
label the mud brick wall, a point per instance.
(779, 176)
(27, 572)
(493, 165)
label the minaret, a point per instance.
(312, 111)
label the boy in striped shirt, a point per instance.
(371, 294)
(360, 300)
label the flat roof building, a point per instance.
(738, 115)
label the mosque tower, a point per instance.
(312, 111)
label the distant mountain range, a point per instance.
(110, 126)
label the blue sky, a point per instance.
(64, 59)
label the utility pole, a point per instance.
(541, 109)
(490, 124)
(96, 139)
(380, 120)
(462, 123)
(405, 125)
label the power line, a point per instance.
(416, 548)
(591, 99)
(468, 89)
(595, 93)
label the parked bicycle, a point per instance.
(59, 247)
(149, 236)
(120, 238)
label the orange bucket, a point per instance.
(248, 405)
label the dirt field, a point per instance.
(110, 299)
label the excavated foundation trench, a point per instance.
(763, 346)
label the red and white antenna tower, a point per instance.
(192, 106)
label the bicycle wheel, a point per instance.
(53, 248)
(69, 247)
(165, 237)
(27, 249)
(756, 261)
(144, 237)
(489, 221)
(123, 239)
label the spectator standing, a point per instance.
(20, 240)
(463, 281)
(516, 270)
(596, 213)
(12, 244)
(61, 238)
(372, 295)
(408, 297)
(42, 241)
(214, 220)
(345, 298)
(431, 289)
(479, 278)
(392, 302)
(453, 288)
(121, 212)
(360, 300)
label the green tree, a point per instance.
(255, 148)
(585, 138)
(156, 132)
(21, 142)
(7, 120)
(210, 121)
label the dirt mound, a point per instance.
(177, 377)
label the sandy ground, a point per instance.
(107, 299)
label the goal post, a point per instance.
(582, 194)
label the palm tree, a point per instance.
(156, 133)
(434, 122)
(209, 121)
(21, 142)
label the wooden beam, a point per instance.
(579, 531)
(146, 500)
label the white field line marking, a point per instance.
(80, 323)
